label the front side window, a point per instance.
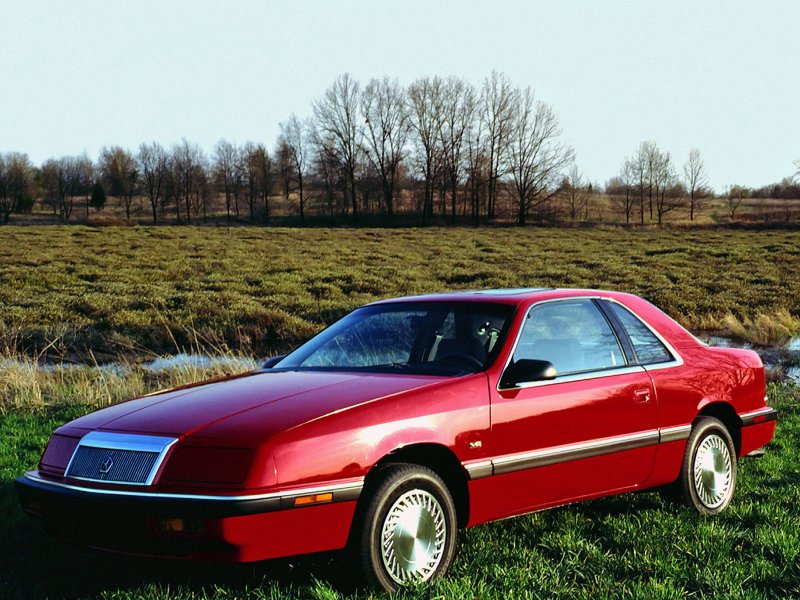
(647, 346)
(444, 338)
(572, 334)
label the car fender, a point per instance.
(349, 443)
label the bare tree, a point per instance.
(283, 158)
(326, 168)
(628, 179)
(459, 103)
(154, 168)
(64, 180)
(789, 194)
(16, 179)
(295, 138)
(226, 157)
(173, 190)
(337, 116)
(652, 157)
(202, 189)
(647, 156)
(425, 102)
(696, 180)
(189, 166)
(85, 180)
(239, 179)
(656, 181)
(263, 166)
(250, 175)
(735, 195)
(497, 115)
(478, 168)
(387, 121)
(669, 192)
(120, 175)
(536, 155)
(640, 169)
(53, 184)
(258, 170)
(574, 190)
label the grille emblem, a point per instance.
(106, 465)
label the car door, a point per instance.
(590, 431)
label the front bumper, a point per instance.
(217, 528)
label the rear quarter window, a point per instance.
(648, 347)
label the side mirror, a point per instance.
(527, 370)
(271, 362)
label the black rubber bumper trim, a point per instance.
(770, 415)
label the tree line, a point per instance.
(440, 148)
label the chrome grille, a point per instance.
(118, 457)
(107, 464)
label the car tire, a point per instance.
(409, 527)
(708, 474)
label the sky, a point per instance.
(721, 76)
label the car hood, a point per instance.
(291, 397)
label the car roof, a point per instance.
(516, 296)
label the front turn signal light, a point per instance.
(180, 525)
(313, 499)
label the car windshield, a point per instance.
(426, 338)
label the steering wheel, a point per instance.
(463, 357)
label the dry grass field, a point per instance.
(141, 290)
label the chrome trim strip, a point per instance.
(568, 452)
(478, 469)
(749, 418)
(125, 441)
(306, 491)
(674, 434)
(578, 377)
(665, 365)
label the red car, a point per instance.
(402, 422)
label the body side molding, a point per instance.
(558, 454)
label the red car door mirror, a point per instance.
(527, 370)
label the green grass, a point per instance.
(260, 291)
(630, 546)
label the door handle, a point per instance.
(641, 395)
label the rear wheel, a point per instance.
(409, 528)
(708, 474)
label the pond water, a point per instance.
(156, 365)
(782, 361)
(200, 361)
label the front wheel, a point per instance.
(708, 474)
(409, 529)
